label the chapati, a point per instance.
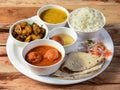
(79, 65)
(79, 61)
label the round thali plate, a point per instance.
(15, 52)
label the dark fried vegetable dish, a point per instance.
(25, 32)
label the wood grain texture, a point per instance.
(38, 3)
(10, 15)
(117, 1)
(14, 10)
(15, 81)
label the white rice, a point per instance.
(86, 20)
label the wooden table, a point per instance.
(12, 11)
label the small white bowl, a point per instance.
(51, 26)
(69, 31)
(86, 33)
(43, 70)
(30, 21)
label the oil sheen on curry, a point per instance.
(53, 16)
(43, 56)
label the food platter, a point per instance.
(15, 55)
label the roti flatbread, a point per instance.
(78, 75)
(79, 65)
(79, 61)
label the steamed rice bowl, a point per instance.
(86, 20)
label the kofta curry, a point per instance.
(43, 56)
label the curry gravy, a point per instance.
(43, 56)
(53, 15)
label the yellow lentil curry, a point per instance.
(53, 16)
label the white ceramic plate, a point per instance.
(14, 54)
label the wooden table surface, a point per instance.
(13, 10)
